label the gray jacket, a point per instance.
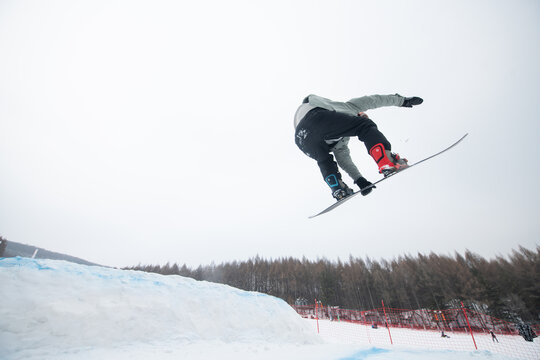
(340, 146)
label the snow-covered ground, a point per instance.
(511, 346)
(60, 310)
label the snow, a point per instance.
(60, 310)
(511, 346)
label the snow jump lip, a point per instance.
(54, 306)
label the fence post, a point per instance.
(387, 324)
(317, 315)
(469, 325)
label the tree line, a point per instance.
(507, 288)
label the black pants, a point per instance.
(320, 124)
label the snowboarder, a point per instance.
(323, 127)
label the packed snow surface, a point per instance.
(60, 310)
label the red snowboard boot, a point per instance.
(387, 161)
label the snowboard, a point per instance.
(340, 202)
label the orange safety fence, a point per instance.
(453, 329)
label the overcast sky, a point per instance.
(154, 131)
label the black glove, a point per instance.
(410, 101)
(363, 184)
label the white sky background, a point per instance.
(153, 131)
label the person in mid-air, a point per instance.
(323, 127)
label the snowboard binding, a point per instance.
(341, 194)
(340, 190)
(387, 161)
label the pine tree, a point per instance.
(507, 288)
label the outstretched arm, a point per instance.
(365, 103)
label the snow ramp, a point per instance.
(61, 305)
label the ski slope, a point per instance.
(60, 310)
(511, 346)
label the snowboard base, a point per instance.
(340, 202)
